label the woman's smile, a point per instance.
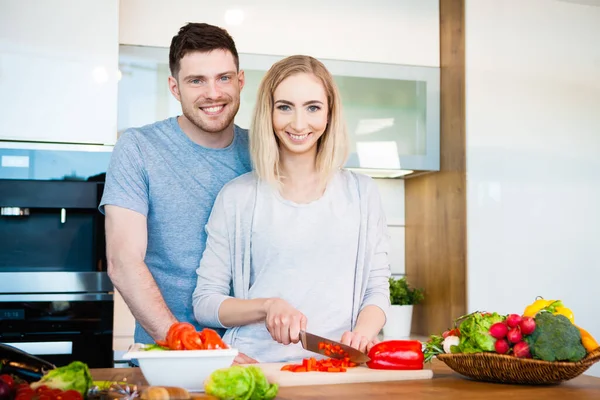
(299, 138)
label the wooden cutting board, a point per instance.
(352, 375)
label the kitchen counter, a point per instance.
(445, 384)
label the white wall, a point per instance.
(533, 163)
(59, 70)
(388, 31)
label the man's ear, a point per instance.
(174, 88)
(241, 79)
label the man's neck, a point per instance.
(216, 140)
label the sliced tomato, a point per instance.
(211, 339)
(174, 334)
(191, 340)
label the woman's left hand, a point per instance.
(357, 341)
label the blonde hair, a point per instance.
(332, 147)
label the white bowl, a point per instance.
(187, 369)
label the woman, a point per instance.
(299, 243)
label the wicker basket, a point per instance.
(500, 368)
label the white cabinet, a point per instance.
(387, 31)
(124, 324)
(59, 70)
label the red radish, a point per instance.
(498, 330)
(513, 320)
(514, 335)
(451, 332)
(527, 325)
(501, 346)
(521, 350)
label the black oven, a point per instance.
(60, 328)
(56, 300)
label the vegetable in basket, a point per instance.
(587, 340)
(555, 339)
(475, 334)
(556, 307)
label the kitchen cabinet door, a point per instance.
(59, 70)
(124, 326)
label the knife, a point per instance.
(311, 343)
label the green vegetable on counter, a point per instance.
(75, 376)
(240, 383)
(555, 339)
(475, 333)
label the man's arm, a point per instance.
(126, 242)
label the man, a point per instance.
(163, 179)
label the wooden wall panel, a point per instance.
(436, 245)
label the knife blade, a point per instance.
(311, 342)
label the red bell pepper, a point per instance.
(396, 354)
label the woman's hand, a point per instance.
(358, 341)
(283, 321)
(241, 358)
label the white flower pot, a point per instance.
(399, 320)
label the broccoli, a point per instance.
(75, 376)
(555, 339)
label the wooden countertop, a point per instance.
(445, 384)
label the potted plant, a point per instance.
(402, 299)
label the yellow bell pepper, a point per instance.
(556, 307)
(566, 312)
(587, 340)
(535, 307)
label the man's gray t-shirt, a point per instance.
(157, 171)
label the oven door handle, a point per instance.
(44, 348)
(6, 298)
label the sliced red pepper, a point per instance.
(396, 354)
(324, 365)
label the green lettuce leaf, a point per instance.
(474, 332)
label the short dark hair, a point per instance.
(199, 37)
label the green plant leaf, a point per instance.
(402, 294)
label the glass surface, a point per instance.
(392, 111)
(52, 163)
